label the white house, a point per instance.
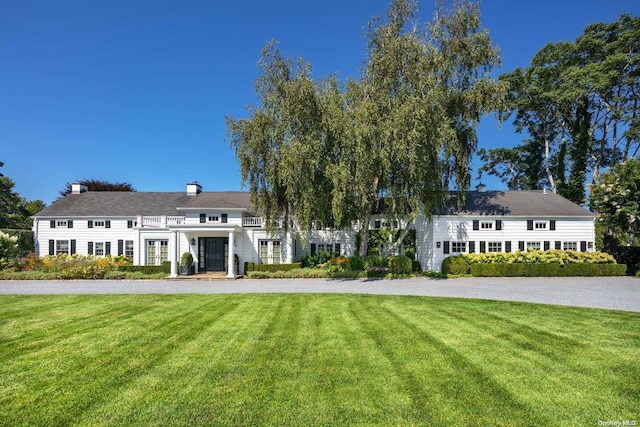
(222, 231)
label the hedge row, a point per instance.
(252, 266)
(547, 270)
(147, 269)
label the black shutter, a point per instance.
(313, 249)
(52, 247)
(507, 246)
(203, 218)
(472, 247)
(120, 247)
(558, 244)
(224, 219)
(130, 224)
(90, 223)
(476, 224)
(521, 245)
(498, 225)
(73, 247)
(90, 248)
(107, 224)
(483, 247)
(107, 248)
(530, 224)
(70, 223)
(552, 225)
(52, 223)
(547, 245)
(445, 247)
(583, 246)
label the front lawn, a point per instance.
(313, 360)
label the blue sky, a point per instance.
(137, 90)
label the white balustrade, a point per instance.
(252, 221)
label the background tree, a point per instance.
(99, 185)
(402, 133)
(578, 102)
(616, 198)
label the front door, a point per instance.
(211, 253)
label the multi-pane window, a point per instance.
(570, 246)
(458, 247)
(99, 248)
(270, 251)
(486, 225)
(62, 223)
(62, 247)
(494, 246)
(128, 248)
(533, 245)
(99, 224)
(540, 225)
(214, 218)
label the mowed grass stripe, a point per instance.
(312, 360)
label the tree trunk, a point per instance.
(391, 249)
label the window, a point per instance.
(225, 218)
(495, 246)
(128, 248)
(533, 245)
(61, 224)
(269, 251)
(458, 247)
(214, 218)
(62, 247)
(486, 225)
(130, 223)
(570, 246)
(540, 225)
(99, 248)
(157, 252)
(203, 218)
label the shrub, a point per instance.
(249, 266)
(546, 270)
(415, 266)
(186, 259)
(455, 265)
(147, 269)
(376, 261)
(400, 264)
(320, 258)
(356, 263)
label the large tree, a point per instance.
(578, 102)
(401, 133)
(98, 185)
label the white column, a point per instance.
(173, 253)
(231, 258)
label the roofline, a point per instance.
(210, 208)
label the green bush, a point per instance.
(400, 264)
(547, 270)
(541, 257)
(356, 263)
(186, 259)
(320, 258)
(415, 266)
(249, 266)
(276, 267)
(455, 265)
(147, 269)
(376, 261)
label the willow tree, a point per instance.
(401, 134)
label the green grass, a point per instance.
(312, 360)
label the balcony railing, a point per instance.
(175, 220)
(252, 221)
(152, 221)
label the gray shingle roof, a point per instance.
(516, 203)
(130, 204)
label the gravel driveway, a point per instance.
(613, 293)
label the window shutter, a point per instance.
(521, 245)
(107, 224)
(313, 249)
(507, 246)
(476, 224)
(472, 247)
(498, 225)
(530, 224)
(445, 247)
(52, 223)
(203, 218)
(583, 246)
(547, 245)
(552, 225)
(73, 247)
(483, 247)
(337, 248)
(224, 218)
(120, 247)
(70, 223)
(90, 248)
(52, 247)
(130, 223)
(558, 244)
(90, 223)
(107, 248)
